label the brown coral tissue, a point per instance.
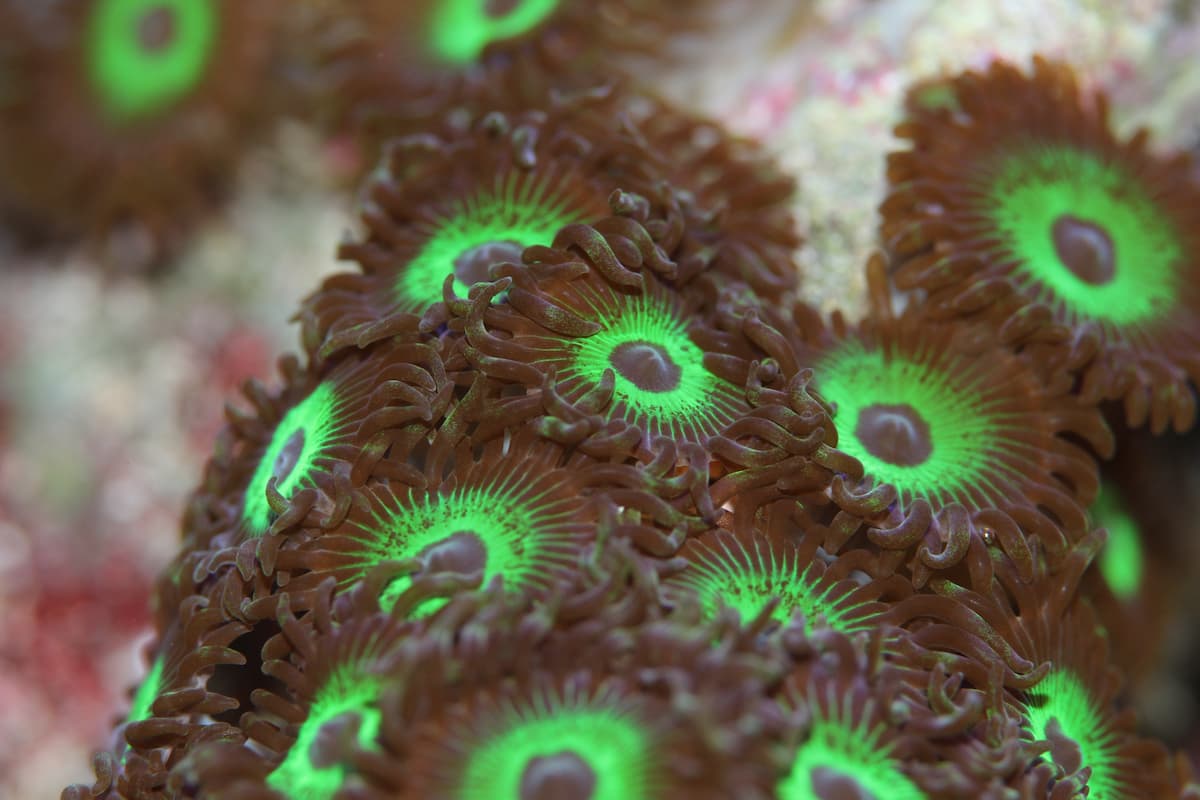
(573, 495)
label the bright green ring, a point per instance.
(1030, 190)
(616, 748)
(851, 750)
(509, 531)
(524, 532)
(524, 212)
(718, 577)
(135, 81)
(961, 428)
(347, 691)
(1062, 697)
(315, 417)
(642, 320)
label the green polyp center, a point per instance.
(908, 422)
(488, 228)
(299, 439)
(658, 371)
(1084, 233)
(842, 758)
(461, 29)
(462, 552)
(147, 692)
(550, 751)
(492, 530)
(1122, 561)
(145, 55)
(1059, 708)
(344, 712)
(746, 582)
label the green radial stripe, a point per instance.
(147, 692)
(976, 442)
(698, 406)
(1061, 697)
(525, 532)
(346, 692)
(1026, 192)
(517, 208)
(461, 29)
(849, 750)
(601, 731)
(746, 581)
(317, 417)
(134, 80)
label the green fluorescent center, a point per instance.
(747, 582)
(659, 335)
(615, 748)
(304, 773)
(515, 214)
(516, 537)
(1031, 191)
(961, 427)
(1061, 697)
(461, 29)
(839, 752)
(298, 441)
(1121, 562)
(144, 55)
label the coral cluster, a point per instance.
(571, 494)
(1018, 185)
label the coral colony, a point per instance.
(569, 492)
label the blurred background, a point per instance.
(112, 386)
